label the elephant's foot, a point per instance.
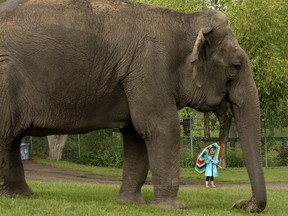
(250, 205)
(169, 203)
(13, 189)
(130, 197)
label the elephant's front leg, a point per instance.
(135, 167)
(163, 144)
(154, 116)
(12, 180)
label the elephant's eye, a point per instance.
(237, 65)
(234, 70)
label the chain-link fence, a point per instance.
(273, 139)
(104, 147)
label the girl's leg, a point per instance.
(207, 181)
(212, 182)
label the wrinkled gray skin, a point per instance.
(69, 66)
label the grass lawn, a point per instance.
(59, 199)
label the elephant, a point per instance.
(69, 66)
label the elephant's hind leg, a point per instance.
(12, 180)
(135, 167)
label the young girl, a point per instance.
(211, 167)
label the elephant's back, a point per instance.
(91, 16)
(46, 14)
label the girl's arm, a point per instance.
(215, 161)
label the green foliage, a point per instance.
(186, 113)
(217, 4)
(98, 148)
(277, 152)
(235, 158)
(186, 159)
(261, 29)
(103, 158)
(187, 6)
(101, 171)
(39, 145)
(282, 157)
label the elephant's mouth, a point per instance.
(211, 103)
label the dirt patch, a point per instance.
(42, 172)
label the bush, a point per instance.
(98, 148)
(235, 158)
(282, 157)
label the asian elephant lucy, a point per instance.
(69, 66)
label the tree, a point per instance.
(225, 125)
(187, 6)
(216, 4)
(56, 144)
(261, 29)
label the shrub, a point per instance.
(282, 157)
(98, 148)
(234, 158)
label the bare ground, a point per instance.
(47, 173)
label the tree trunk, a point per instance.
(223, 138)
(233, 134)
(233, 130)
(207, 125)
(56, 144)
(186, 126)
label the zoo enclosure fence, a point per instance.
(273, 140)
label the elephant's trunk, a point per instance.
(246, 112)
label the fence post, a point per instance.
(265, 143)
(31, 141)
(191, 138)
(79, 147)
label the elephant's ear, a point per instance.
(199, 47)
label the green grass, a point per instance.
(230, 175)
(233, 175)
(102, 171)
(60, 199)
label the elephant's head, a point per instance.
(222, 75)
